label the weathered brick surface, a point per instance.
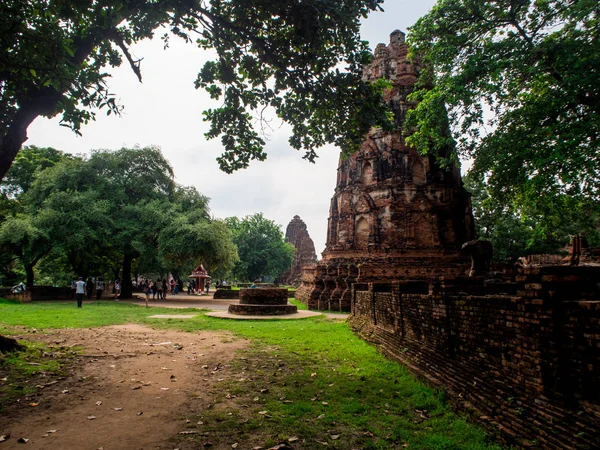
(529, 364)
(395, 214)
(296, 234)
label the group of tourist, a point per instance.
(79, 288)
(192, 288)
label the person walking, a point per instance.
(79, 291)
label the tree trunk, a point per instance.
(126, 288)
(42, 102)
(29, 272)
(9, 345)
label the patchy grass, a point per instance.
(311, 381)
(301, 306)
(23, 373)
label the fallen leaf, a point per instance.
(140, 413)
(234, 445)
(334, 436)
(164, 389)
(91, 417)
(264, 391)
(135, 388)
(4, 437)
(263, 412)
(33, 405)
(293, 439)
(98, 403)
(313, 375)
(208, 444)
(324, 403)
(23, 440)
(118, 409)
(51, 431)
(320, 416)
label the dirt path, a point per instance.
(131, 389)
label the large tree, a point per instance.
(519, 79)
(301, 57)
(521, 227)
(261, 247)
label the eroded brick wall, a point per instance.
(528, 364)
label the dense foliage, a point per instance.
(521, 227)
(116, 213)
(261, 248)
(520, 80)
(301, 57)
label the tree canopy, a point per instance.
(301, 57)
(261, 247)
(112, 213)
(520, 81)
(521, 227)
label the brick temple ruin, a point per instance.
(395, 214)
(520, 349)
(296, 234)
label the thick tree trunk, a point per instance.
(29, 272)
(42, 102)
(126, 288)
(9, 345)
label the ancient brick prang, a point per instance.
(297, 234)
(395, 214)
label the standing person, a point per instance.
(165, 286)
(79, 291)
(158, 289)
(207, 286)
(99, 287)
(176, 287)
(147, 288)
(189, 286)
(172, 284)
(89, 287)
(117, 289)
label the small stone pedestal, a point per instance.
(263, 302)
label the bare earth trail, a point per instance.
(132, 388)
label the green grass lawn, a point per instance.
(316, 380)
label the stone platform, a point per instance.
(263, 302)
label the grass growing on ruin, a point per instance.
(309, 381)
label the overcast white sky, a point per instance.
(166, 111)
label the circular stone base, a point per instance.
(299, 315)
(263, 310)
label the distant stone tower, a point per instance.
(395, 215)
(297, 234)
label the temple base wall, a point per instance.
(526, 365)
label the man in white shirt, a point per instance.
(80, 290)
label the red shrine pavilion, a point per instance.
(200, 275)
